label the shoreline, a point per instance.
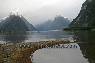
(21, 52)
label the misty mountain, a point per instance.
(58, 23)
(86, 17)
(15, 23)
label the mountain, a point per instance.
(86, 17)
(15, 23)
(58, 23)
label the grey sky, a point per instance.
(37, 11)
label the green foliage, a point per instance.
(86, 17)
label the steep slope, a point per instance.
(29, 25)
(15, 23)
(57, 24)
(44, 26)
(86, 17)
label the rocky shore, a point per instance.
(22, 52)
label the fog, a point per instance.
(38, 11)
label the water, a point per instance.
(84, 53)
(59, 55)
(36, 36)
(48, 35)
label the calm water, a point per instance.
(84, 53)
(59, 55)
(36, 36)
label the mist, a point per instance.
(38, 11)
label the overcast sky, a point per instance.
(38, 11)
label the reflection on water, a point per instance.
(48, 35)
(13, 38)
(59, 55)
(35, 36)
(87, 45)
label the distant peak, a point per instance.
(15, 13)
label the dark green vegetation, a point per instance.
(82, 27)
(86, 17)
(87, 44)
(57, 24)
(15, 24)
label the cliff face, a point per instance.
(86, 17)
